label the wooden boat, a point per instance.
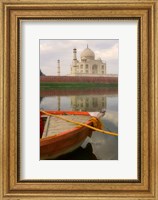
(60, 137)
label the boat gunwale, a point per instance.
(85, 113)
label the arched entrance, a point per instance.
(94, 69)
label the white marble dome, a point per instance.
(83, 58)
(88, 54)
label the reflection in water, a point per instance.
(104, 146)
(80, 154)
(99, 146)
(90, 103)
(80, 102)
(58, 103)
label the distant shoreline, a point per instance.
(79, 79)
(74, 85)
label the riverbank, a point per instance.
(78, 79)
(72, 86)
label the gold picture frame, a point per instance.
(145, 11)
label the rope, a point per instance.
(81, 124)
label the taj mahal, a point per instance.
(88, 65)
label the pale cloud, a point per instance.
(104, 146)
(52, 50)
(112, 117)
(108, 54)
(45, 48)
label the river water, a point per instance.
(99, 146)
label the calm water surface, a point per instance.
(99, 146)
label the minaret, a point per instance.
(74, 60)
(58, 67)
(74, 54)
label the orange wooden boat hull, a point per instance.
(64, 142)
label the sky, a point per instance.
(53, 50)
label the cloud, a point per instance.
(112, 117)
(108, 54)
(105, 147)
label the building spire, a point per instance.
(58, 68)
(74, 54)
